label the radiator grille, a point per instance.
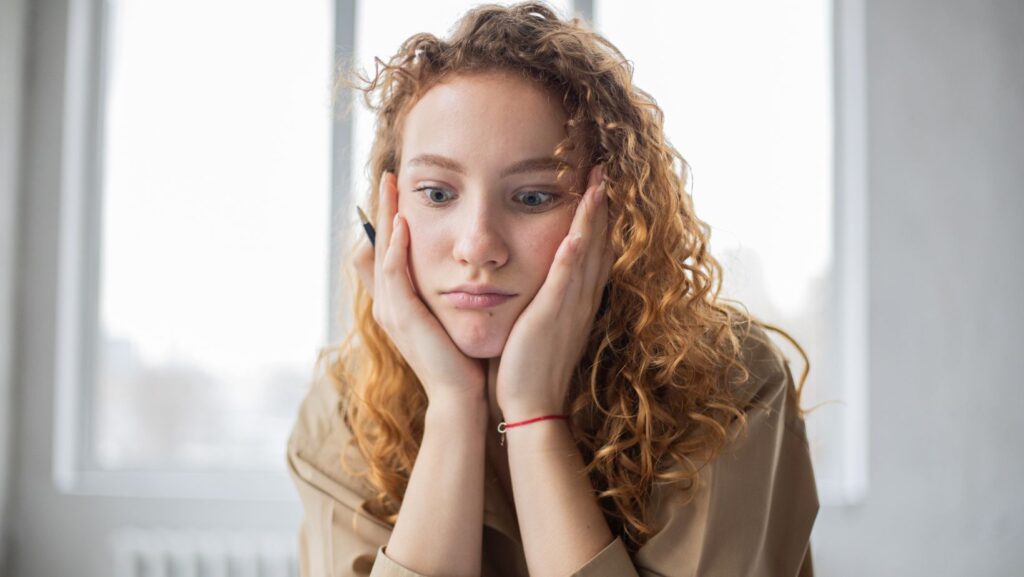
(198, 553)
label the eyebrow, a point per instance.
(528, 165)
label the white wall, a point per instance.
(946, 213)
(12, 53)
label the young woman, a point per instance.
(538, 270)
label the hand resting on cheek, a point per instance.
(445, 372)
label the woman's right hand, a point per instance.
(426, 346)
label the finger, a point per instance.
(608, 251)
(599, 248)
(591, 241)
(385, 217)
(584, 211)
(607, 261)
(592, 225)
(561, 283)
(364, 264)
(396, 264)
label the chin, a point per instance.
(479, 339)
(478, 351)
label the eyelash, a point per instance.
(554, 197)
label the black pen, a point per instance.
(367, 226)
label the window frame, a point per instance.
(851, 282)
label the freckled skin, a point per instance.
(482, 229)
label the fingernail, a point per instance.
(394, 223)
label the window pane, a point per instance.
(746, 90)
(214, 239)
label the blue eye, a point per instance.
(534, 199)
(542, 203)
(431, 198)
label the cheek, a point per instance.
(541, 246)
(545, 247)
(426, 248)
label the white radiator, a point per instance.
(187, 553)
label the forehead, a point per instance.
(484, 116)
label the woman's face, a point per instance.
(478, 186)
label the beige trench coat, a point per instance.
(753, 516)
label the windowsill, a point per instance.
(220, 485)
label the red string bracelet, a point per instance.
(502, 426)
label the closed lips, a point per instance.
(467, 300)
(480, 290)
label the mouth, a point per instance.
(465, 300)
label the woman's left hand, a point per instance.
(547, 340)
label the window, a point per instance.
(209, 240)
(211, 287)
(747, 91)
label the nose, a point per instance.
(480, 242)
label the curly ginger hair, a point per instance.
(655, 394)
